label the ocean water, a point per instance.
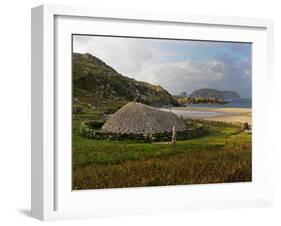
(185, 113)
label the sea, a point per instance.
(197, 113)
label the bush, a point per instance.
(95, 124)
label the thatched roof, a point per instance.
(139, 118)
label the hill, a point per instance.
(95, 82)
(214, 93)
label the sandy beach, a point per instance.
(230, 115)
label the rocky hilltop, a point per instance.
(95, 81)
(214, 93)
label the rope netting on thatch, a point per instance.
(139, 118)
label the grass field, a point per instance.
(222, 156)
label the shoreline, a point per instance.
(228, 115)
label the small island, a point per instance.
(207, 96)
(207, 92)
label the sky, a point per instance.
(176, 65)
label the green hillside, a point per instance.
(98, 84)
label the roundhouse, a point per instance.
(139, 118)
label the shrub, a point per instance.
(95, 124)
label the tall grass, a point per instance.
(223, 156)
(189, 168)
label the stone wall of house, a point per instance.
(190, 133)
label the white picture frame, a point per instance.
(52, 198)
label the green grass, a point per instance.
(222, 156)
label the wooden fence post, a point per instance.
(174, 135)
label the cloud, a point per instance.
(191, 75)
(175, 65)
(128, 56)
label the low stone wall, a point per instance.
(190, 133)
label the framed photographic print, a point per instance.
(137, 112)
